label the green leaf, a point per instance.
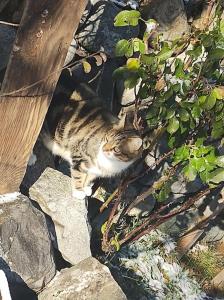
(209, 102)
(104, 227)
(217, 176)
(148, 59)
(119, 72)
(115, 243)
(131, 81)
(127, 17)
(121, 47)
(138, 45)
(206, 40)
(181, 154)
(219, 92)
(170, 113)
(205, 176)
(171, 142)
(184, 115)
(190, 172)
(216, 54)
(221, 27)
(143, 92)
(196, 111)
(173, 125)
(165, 53)
(199, 142)
(211, 160)
(217, 129)
(196, 52)
(179, 70)
(168, 94)
(133, 64)
(164, 192)
(220, 161)
(217, 133)
(130, 50)
(202, 99)
(198, 164)
(202, 150)
(219, 107)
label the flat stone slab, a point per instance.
(53, 192)
(88, 280)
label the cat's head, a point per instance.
(123, 141)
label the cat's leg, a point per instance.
(81, 184)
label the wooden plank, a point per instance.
(39, 52)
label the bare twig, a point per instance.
(105, 242)
(206, 19)
(151, 189)
(107, 202)
(9, 24)
(45, 78)
(146, 227)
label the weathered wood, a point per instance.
(39, 52)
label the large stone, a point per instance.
(53, 192)
(218, 282)
(3, 4)
(99, 33)
(25, 245)
(40, 159)
(170, 14)
(7, 36)
(87, 280)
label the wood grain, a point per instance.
(39, 52)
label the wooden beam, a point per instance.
(39, 52)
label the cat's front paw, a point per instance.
(78, 194)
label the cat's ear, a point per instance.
(134, 144)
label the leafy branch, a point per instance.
(182, 83)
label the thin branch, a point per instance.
(206, 19)
(45, 78)
(9, 24)
(151, 189)
(107, 202)
(161, 218)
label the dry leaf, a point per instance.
(86, 66)
(160, 84)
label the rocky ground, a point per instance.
(48, 240)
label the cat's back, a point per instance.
(78, 123)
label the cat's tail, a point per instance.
(4, 287)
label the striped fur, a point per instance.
(92, 140)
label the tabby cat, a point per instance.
(91, 139)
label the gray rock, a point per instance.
(53, 193)
(3, 4)
(99, 33)
(7, 37)
(141, 209)
(170, 14)
(104, 85)
(218, 283)
(40, 159)
(87, 280)
(25, 245)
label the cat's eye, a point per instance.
(116, 150)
